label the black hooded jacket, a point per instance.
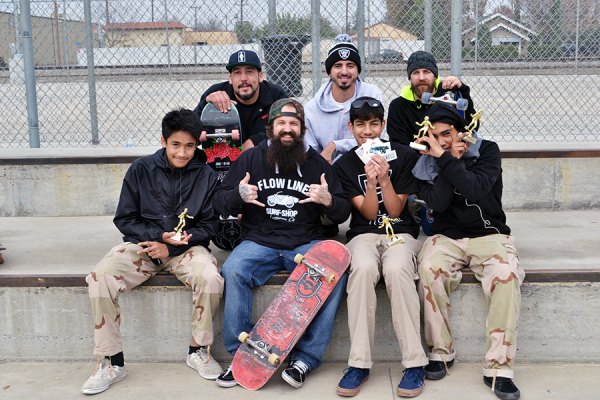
(283, 223)
(466, 196)
(154, 194)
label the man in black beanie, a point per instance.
(327, 114)
(463, 187)
(407, 109)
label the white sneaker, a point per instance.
(202, 362)
(104, 376)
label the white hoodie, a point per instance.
(327, 120)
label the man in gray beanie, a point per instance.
(407, 109)
(327, 114)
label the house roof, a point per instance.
(383, 30)
(508, 21)
(138, 26)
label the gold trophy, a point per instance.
(474, 124)
(389, 231)
(425, 126)
(179, 228)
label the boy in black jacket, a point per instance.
(383, 241)
(462, 183)
(281, 189)
(156, 192)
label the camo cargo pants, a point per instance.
(495, 262)
(123, 269)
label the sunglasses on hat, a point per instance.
(370, 102)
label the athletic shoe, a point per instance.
(295, 373)
(352, 380)
(202, 362)
(504, 388)
(436, 370)
(226, 379)
(412, 382)
(104, 375)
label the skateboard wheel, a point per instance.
(462, 104)
(298, 258)
(426, 98)
(330, 278)
(273, 359)
(235, 134)
(243, 337)
(203, 136)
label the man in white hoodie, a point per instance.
(327, 114)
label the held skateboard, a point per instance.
(275, 334)
(222, 143)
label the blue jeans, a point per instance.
(251, 265)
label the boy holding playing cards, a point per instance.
(377, 177)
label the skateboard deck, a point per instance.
(282, 324)
(222, 143)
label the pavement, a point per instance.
(73, 245)
(176, 381)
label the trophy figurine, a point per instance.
(425, 126)
(473, 125)
(389, 231)
(179, 228)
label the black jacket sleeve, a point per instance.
(227, 199)
(396, 129)
(128, 217)
(223, 86)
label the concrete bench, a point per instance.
(45, 308)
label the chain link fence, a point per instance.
(532, 65)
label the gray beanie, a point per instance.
(421, 59)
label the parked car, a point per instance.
(386, 56)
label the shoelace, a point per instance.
(203, 353)
(352, 373)
(494, 380)
(300, 366)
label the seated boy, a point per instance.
(383, 240)
(157, 191)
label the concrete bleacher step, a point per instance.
(45, 308)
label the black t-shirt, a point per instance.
(351, 172)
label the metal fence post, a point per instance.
(456, 38)
(360, 26)
(91, 75)
(32, 110)
(427, 25)
(272, 17)
(315, 30)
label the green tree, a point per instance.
(288, 24)
(548, 43)
(407, 15)
(245, 32)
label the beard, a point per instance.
(246, 96)
(421, 88)
(286, 156)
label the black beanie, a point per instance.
(421, 59)
(342, 51)
(440, 112)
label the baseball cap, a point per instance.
(244, 57)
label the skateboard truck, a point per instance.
(316, 269)
(260, 347)
(448, 97)
(234, 135)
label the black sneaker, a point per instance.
(504, 388)
(436, 370)
(226, 379)
(295, 373)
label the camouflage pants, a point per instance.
(123, 269)
(495, 262)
